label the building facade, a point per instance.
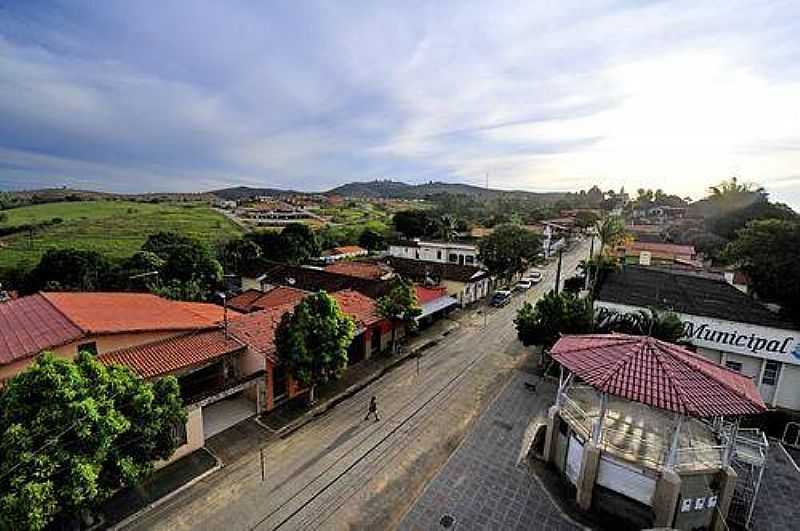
(721, 323)
(433, 251)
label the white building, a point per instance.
(722, 324)
(435, 251)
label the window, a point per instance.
(90, 347)
(470, 260)
(417, 255)
(453, 257)
(438, 255)
(771, 371)
(734, 366)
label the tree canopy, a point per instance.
(71, 433)
(553, 315)
(769, 252)
(298, 243)
(665, 326)
(509, 250)
(610, 230)
(372, 240)
(413, 223)
(400, 304)
(313, 340)
(71, 270)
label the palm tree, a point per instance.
(731, 187)
(610, 230)
(665, 326)
(447, 227)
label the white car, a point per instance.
(534, 277)
(523, 285)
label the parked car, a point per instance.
(523, 284)
(534, 276)
(500, 298)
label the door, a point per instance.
(627, 480)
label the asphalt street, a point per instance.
(341, 471)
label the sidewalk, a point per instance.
(160, 486)
(295, 414)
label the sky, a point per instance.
(543, 96)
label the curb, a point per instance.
(163, 499)
(332, 402)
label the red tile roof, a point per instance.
(252, 299)
(658, 374)
(665, 250)
(212, 312)
(360, 307)
(425, 294)
(31, 324)
(173, 354)
(372, 271)
(257, 329)
(108, 313)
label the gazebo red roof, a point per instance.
(658, 374)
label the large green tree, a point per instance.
(298, 243)
(72, 433)
(509, 250)
(186, 261)
(399, 305)
(71, 270)
(313, 339)
(553, 315)
(413, 223)
(769, 252)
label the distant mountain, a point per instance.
(237, 193)
(400, 190)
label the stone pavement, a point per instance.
(486, 483)
(777, 508)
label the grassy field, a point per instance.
(114, 228)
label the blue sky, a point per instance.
(193, 95)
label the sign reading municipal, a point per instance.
(741, 338)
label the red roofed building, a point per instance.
(65, 323)
(345, 251)
(253, 299)
(626, 428)
(368, 270)
(659, 253)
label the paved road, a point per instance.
(342, 472)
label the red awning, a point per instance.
(658, 374)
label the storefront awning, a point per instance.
(429, 308)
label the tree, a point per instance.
(585, 219)
(447, 227)
(163, 244)
(553, 315)
(72, 433)
(610, 230)
(509, 250)
(399, 304)
(313, 340)
(665, 326)
(412, 223)
(298, 243)
(372, 240)
(269, 241)
(239, 255)
(72, 270)
(769, 252)
(732, 187)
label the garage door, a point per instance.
(626, 480)
(574, 458)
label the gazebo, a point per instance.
(654, 425)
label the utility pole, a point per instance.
(263, 468)
(558, 269)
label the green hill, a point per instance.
(115, 228)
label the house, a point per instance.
(434, 302)
(254, 300)
(466, 284)
(312, 279)
(368, 270)
(645, 253)
(154, 337)
(721, 323)
(340, 253)
(257, 330)
(436, 251)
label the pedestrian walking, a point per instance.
(373, 409)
